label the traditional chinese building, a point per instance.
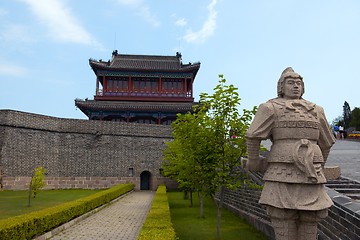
(141, 88)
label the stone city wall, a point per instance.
(72, 149)
(343, 221)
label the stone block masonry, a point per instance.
(342, 222)
(79, 153)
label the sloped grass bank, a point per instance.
(158, 222)
(36, 223)
(188, 224)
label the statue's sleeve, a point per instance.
(326, 138)
(260, 129)
(263, 123)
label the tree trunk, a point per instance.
(191, 199)
(201, 199)
(219, 206)
(29, 194)
(186, 194)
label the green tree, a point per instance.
(188, 158)
(355, 118)
(37, 182)
(229, 144)
(338, 120)
(208, 144)
(346, 115)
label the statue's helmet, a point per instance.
(288, 73)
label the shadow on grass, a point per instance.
(188, 225)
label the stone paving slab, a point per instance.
(346, 155)
(121, 220)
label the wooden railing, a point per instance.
(143, 94)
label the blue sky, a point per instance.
(46, 44)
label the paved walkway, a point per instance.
(345, 154)
(121, 220)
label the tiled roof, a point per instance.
(133, 106)
(144, 62)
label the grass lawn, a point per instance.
(13, 203)
(188, 225)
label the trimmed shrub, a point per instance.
(36, 223)
(354, 136)
(158, 223)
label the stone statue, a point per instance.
(293, 193)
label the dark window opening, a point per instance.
(131, 172)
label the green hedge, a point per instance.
(158, 222)
(36, 223)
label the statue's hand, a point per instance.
(258, 164)
(252, 164)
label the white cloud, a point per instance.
(181, 22)
(130, 2)
(16, 33)
(8, 69)
(62, 25)
(142, 10)
(208, 27)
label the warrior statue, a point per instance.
(293, 193)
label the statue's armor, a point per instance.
(293, 192)
(295, 156)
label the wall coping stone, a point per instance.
(18, 119)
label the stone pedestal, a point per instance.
(332, 172)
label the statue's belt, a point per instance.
(305, 163)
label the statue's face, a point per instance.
(293, 88)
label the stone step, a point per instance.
(341, 181)
(354, 196)
(348, 190)
(346, 185)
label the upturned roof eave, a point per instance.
(95, 65)
(92, 105)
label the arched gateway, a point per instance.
(145, 180)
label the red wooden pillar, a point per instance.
(160, 85)
(185, 87)
(104, 85)
(191, 86)
(131, 85)
(97, 86)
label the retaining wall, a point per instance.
(342, 223)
